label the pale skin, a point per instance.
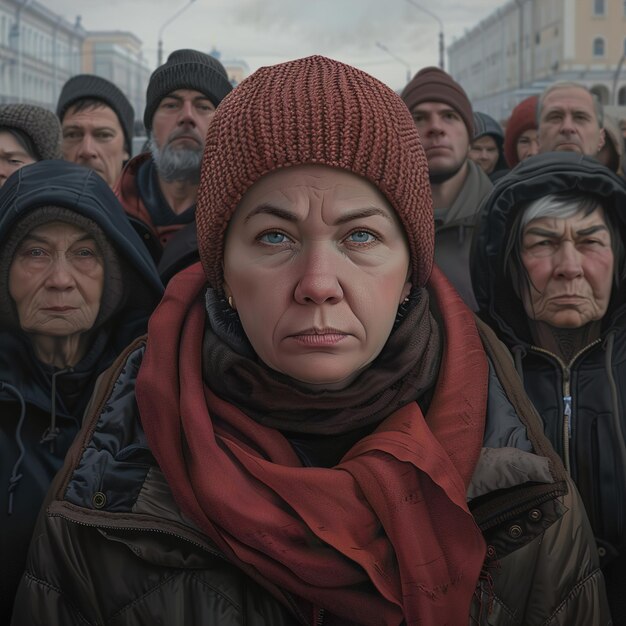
(316, 264)
(527, 144)
(12, 156)
(570, 266)
(446, 143)
(93, 137)
(56, 280)
(484, 151)
(182, 120)
(568, 122)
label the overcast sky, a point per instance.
(264, 32)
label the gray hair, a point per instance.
(560, 206)
(568, 84)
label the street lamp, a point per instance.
(441, 44)
(616, 77)
(397, 58)
(167, 23)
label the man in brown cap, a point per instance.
(443, 115)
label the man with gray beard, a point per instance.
(158, 188)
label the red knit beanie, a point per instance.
(432, 84)
(523, 118)
(308, 111)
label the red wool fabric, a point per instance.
(382, 537)
(523, 118)
(313, 110)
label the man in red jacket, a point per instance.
(158, 188)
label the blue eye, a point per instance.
(274, 238)
(361, 236)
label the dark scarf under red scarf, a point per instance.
(382, 537)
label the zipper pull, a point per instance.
(567, 411)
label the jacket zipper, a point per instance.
(566, 430)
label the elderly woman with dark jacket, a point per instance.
(548, 270)
(76, 286)
(320, 432)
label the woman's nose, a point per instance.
(568, 260)
(318, 282)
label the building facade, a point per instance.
(527, 44)
(118, 57)
(40, 50)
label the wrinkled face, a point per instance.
(444, 136)
(484, 151)
(570, 266)
(527, 144)
(182, 119)
(316, 263)
(93, 137)
(56, 280)
(12, 156)
(568, 122)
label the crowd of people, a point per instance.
(320, 354)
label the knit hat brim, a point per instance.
(113, 294)
(313, 111)
(40, 125)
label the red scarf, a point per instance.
(382, 537)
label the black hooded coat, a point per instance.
(582, 403)
(41, 407)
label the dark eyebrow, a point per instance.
(541, 232)
(270, 209)
(591, 230)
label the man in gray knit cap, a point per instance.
(97, 121)
(158, 189)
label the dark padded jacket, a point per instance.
(37, 399)
(583, 402)
(113, 547)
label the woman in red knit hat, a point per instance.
(520, 135)
(320, 430)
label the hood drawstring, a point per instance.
(15, 477)
(52, 432)
(615, 414)
(518, 354)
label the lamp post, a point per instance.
(441, 43)
(616, 78)
(397, 58)
(167, 23)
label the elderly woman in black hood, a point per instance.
(76, 286)
(548, 273)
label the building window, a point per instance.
(598, 47)
(599, 7)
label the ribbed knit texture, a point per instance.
(313, 110)
(90, 86)
(432, 84)
(523, 118)
(186, 69)
(41, 125)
